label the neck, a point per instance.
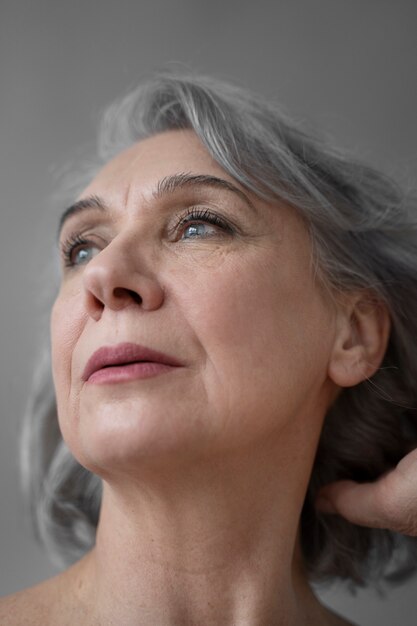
(213, 544)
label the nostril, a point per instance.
(135, 296)
(120, 292)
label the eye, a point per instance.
(198, 230)
(77, 250)
(202, 224)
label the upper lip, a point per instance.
(124, 353)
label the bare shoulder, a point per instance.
(40, 604)
(29, 606)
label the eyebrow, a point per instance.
(91, 202)
(169, 184)
(166, 186)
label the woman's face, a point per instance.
(163, 254)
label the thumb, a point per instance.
(385, 503)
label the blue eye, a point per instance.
(201, 223)
(78, 251)
(196, 230)
(84, 255)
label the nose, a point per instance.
(116, 278)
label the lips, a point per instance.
(123, 354)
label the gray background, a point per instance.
(348, 67)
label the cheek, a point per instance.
(264, 329)
(66, 322)
(252, 307)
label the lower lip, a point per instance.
(132, 371)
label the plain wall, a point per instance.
(347, 67)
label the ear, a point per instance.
(361, 338)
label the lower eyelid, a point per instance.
(194, 216)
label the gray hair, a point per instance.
(363, 230)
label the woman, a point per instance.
(234, 329)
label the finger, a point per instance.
(390, 503)
(355, 502)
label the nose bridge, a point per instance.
(123, 274)
(131, 245)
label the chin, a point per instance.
(124, 438)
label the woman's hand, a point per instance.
(389, 502)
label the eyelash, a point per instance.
(192, 215)
(201, 215)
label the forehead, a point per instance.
(134, 174)
(149, 160)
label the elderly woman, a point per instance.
(235, 328)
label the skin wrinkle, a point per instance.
(200, 512)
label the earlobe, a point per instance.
(361, 339)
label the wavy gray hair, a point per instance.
(363, 231)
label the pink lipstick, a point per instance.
(126, 361)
